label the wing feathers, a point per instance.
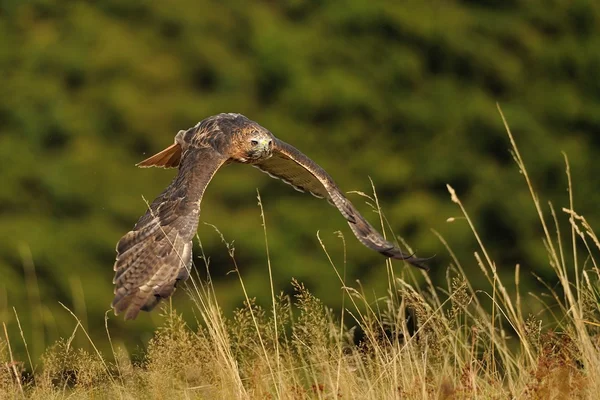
(296, 169)
(281, 166)
(157, 253)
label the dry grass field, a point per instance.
(421, 341)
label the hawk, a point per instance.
(157, 253)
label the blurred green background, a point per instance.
(402, 92)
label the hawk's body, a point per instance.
(157, 253)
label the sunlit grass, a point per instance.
(421, 341)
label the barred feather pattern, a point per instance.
(157, 253)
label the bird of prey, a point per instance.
(157, 253)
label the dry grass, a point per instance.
(441, 343)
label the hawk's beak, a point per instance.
(265, 145)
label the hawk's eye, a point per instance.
(254, 142)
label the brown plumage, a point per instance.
(157, 253)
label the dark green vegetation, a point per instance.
(403, 93)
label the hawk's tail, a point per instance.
(168, 158)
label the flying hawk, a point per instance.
(157, 253)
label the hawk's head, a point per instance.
(258, 145)
(250, 142)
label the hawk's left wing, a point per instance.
(294, 168)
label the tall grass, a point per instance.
(421, 341)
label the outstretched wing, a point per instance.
(157, 253)
(291, 166)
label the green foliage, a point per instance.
(403, 93)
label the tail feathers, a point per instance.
(168, 158)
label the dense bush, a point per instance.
(404, 93)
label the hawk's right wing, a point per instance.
(157, 253)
